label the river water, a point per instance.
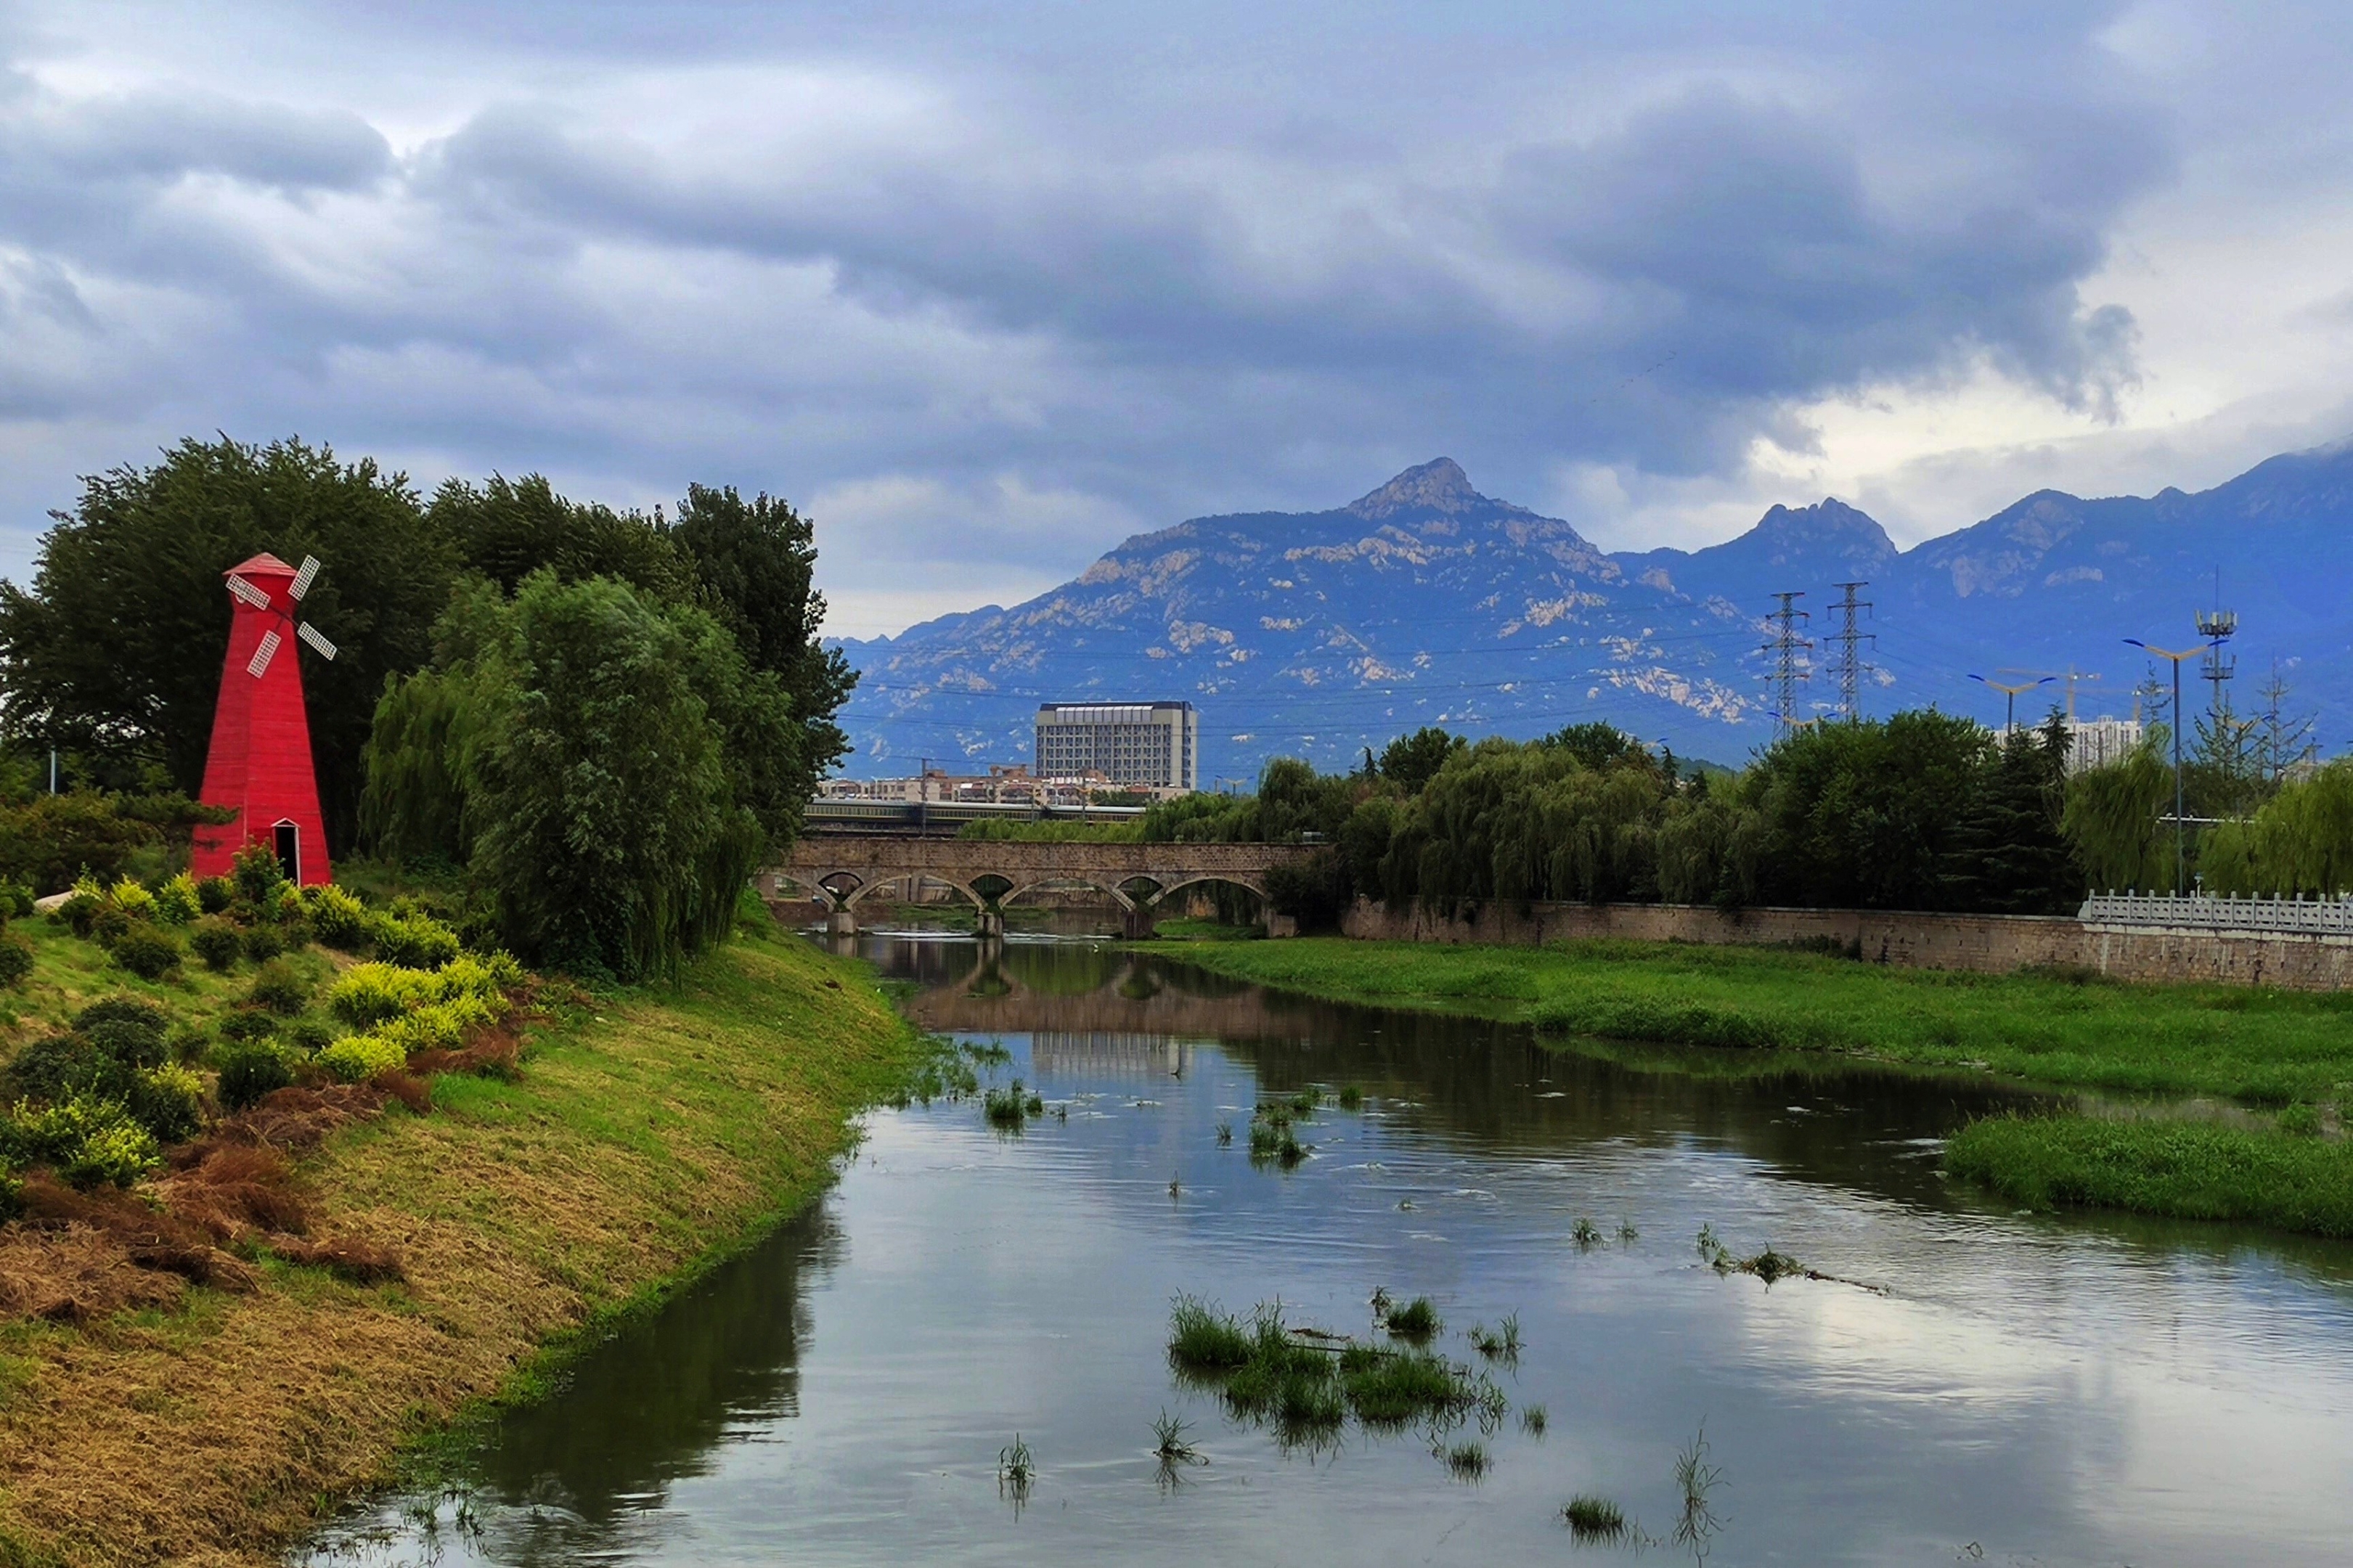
(1972, 1385)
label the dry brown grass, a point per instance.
(210, 1433)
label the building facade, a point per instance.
(2097, 743)
(1155, 745)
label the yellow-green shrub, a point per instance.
(132, 899)
(337, 918)
(357, 1056)
(370, 994)
(176, 901)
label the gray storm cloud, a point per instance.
(787, 251)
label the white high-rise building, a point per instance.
(2096, 742)
(1155, 744)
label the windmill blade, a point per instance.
(319, 644)
(239, 588)
(263, 655)
(302, 581)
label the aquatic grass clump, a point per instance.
(1016, 1470)
(1586, 1234)
(1202, 1339)
(1305, 1387)
(1275, 1144)
(1499, 1343)
(1225, 1134)
(1352, 1097)
(1006, 1109)
(1417, 1322)
(1388, 1390)
(1696, 1478)
(1595, 1520)
(1767, 1265)
(1168, 1441)
(1468, 1462)
(1533, 1420)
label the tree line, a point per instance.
(1922, 810)
(604, 719)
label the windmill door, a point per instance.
(289, 846)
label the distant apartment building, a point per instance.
(2096, 742)
(1154, 745)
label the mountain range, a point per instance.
(1424, 601)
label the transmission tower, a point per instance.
(1788, 649)
(1850, 668)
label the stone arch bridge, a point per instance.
(839, 869)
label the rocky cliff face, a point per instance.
(1318, 634)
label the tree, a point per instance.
(1865, 814)
(2009, 856)
(756, 561)
(1409, 761)
(116, 650)
(2111, 817)
(508, 529)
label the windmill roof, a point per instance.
(262, 565)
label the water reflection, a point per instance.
(2080, 1391)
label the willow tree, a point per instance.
(2111, 816)
(609, 767)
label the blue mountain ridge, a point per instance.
(1319, 634)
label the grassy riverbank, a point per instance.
(648, 1133)
(2265, 1049)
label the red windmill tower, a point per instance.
(260, 763)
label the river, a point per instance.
(1970, 1385)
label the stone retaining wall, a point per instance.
(1989, 943)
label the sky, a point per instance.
(984, 289)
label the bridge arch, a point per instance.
(1070, 879)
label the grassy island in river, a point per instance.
(650, 1133)
(2288, 1055)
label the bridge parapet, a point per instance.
(841, 868)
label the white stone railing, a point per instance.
(2297, 916)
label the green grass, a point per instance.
(1186, 929)
(2186, 1170)
(651, 1133)
(2263, 1047)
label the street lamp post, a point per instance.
(2180, 854)
(2009, 720)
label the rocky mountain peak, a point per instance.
(1439, 486)
(1828, 525)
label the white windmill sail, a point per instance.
(270, 640)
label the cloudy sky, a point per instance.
(984, 288)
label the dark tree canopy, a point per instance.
(115, 651)
(508, 529)
(1411, 761)
(756, 561)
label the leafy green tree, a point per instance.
(116, 650)
(508, 529)
(604, 824)
(2009, 856)
(1409, 761)
(1867, 814)
(756, 562)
